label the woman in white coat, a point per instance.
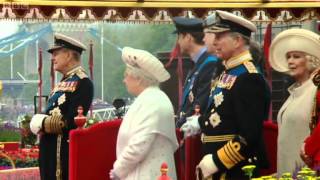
(295, 52)
(146, 136)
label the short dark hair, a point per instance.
(197, 36)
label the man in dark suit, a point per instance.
(197, 84)
(74, 90)
(232, 126)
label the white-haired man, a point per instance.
(74, 90)
(232, 126)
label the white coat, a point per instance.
(293, 122)
(146, 138)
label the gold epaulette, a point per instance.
(250, 67)
(79, 71)
(81, 74)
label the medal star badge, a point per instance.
(191, 97)
(218, 99)
(55, 111)
(62, 99)
(214, 119)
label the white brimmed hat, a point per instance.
(226, 21)
(63, 41)
(293, 40)
(147, 63)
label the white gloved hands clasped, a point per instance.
(36, 123)
(191, 126)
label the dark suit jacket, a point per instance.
(232, 127)
(199, 92)
(73, 91)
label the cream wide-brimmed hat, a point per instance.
(146, 63)
(293, 40)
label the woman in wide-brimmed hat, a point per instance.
(295, 52)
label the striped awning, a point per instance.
(157, 10)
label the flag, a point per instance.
(266, 46)
(91, 70)
(176, 54)
(91, 60)
(40, 80)
(52, 75)
(1, 87)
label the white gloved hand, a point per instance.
(191, 126)
(207, 166)
(36, 123)
(113, 175)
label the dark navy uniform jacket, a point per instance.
(197, 86)
(232, 127)
(74, 90)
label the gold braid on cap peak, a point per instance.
(53, 124)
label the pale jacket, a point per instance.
(146, 138)
(293, 122)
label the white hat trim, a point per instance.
(70, 40)
(237, 19)
(146, 63)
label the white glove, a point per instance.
(207, 166)
(36, 123)
(191, 126)
(113, 175)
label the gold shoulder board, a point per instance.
(250, 67)
(81, 74)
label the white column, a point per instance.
(37, 62)
(37, 54)
(11, 62)
(102, 70)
